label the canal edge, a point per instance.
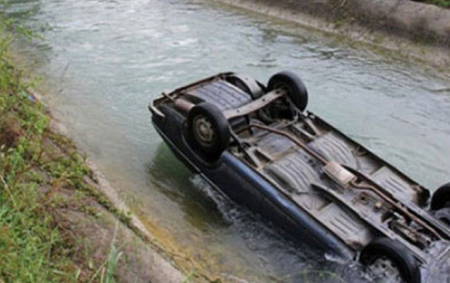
(164, 264)
(416, 31)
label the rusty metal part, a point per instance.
(338, 174)
(311, 126)
(255, 104)
(400, 226)
(300, 131)
(354, 183)
(365, 215)
(183, 105)
(253, 159)
(399, 207)
(246, 84)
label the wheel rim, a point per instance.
(384, 270)
(204, 130)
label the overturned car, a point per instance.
(259, 146)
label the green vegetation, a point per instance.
(442, 3)
(41, 174)
(28, 233)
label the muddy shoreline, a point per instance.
(415, 30)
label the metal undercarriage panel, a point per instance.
(295, 174)
(332, 148)
(222, 94)
(394, 184)
(349, 191)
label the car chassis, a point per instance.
(260, 147)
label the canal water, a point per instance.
(105, 60)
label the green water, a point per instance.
(105, 60)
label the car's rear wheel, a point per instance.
(441, 197)
(207, 131)
(388, 260)
(296, 89)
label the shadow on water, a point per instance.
(175, 181)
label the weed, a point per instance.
(442, 3)
(106, 270)
(32, 248)
(37, 167)
(190, 276)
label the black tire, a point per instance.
(443, 215)
(441, 197)
(215, 137)
(395, 252)
(296, 89)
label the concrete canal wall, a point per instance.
(417, 29)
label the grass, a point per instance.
(32, 248)
(441, 3)
(36, 165)
(107, 268)
(28, 233)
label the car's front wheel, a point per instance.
(388, 260)
(208, 131)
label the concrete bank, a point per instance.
(417, 30)
(145, 258)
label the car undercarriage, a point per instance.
(382, 216)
